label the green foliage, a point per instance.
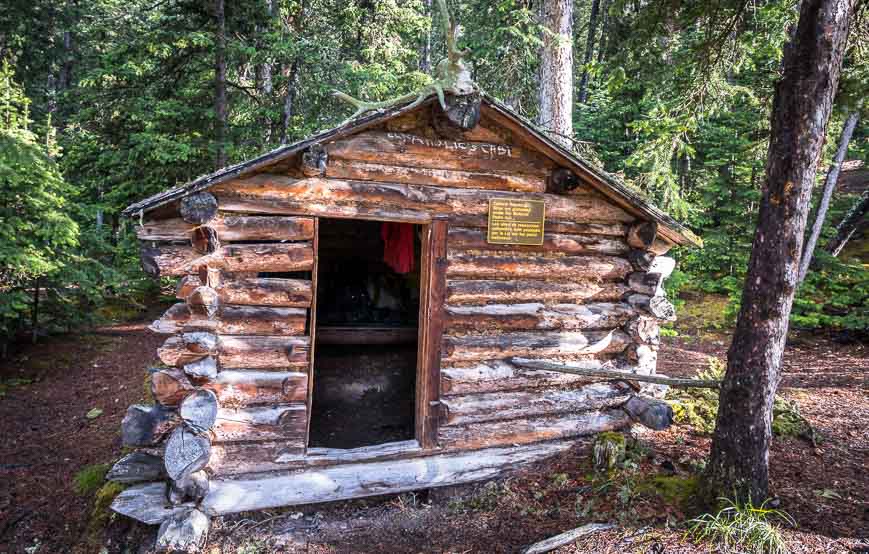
(698, 407)
(675, 490)
(788, 422)
(90, 478)
(743, 527)
(608, 451)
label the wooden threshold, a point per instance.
(366, 335)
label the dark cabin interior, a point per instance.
(365, 359)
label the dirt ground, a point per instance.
(48, 390)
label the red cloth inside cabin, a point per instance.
(398, 246)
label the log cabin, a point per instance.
(367, 312)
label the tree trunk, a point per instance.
(605, 24)
(589, 50)
(556, 70)
(425, 50)
(829, 186)
(34, 314)
(848, 226)
(220, 83)
(292, 74)
(738, 465)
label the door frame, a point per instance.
(430, 325)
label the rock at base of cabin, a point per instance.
(183, 532)
(191, 487)
(137, 467)
(652, 413)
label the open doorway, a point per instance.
(365, 358)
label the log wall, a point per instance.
(240, 340)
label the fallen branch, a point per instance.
(567, 537)
(612, 374)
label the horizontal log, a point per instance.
(232, 228)
(525, 431)
(237, 351)
(315, 191)
(566, 268)
(294, 293)
(231, 201)
(471, 348)
(550, 225)
(502, 376)
(260, 423)
(364, 171)
(341, 482)
(476, 239)
(234, 320)
(182, 260)
(415, 151)
(567, 367)
(567, 317)
(181, 350)
(497, 406)
(505, 292)
(264, 352)
(239, 458)
(147, 503)
(235, 388)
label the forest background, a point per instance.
(105, 102)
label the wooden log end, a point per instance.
(205, 240)
(186, 453)
(199, 410)
(198, 208)
(206, 368)
(137, 467)
(147, 503)
(563, 180)
(642, 235)
(641, 260)
(146, 425)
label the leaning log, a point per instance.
(508, 292)
(567, 317)
(611, 374)
(255, 292)
(543, 344)
(146, 425)
(566, 268)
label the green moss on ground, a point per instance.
(676, 490)
(101, 513)
(90, 478)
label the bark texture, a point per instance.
(803, 100)
(556, 70)
(589, 50)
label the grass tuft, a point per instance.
(742, 527)
(90, 478)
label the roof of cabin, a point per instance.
(607, 184)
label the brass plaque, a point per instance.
(516, 221)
